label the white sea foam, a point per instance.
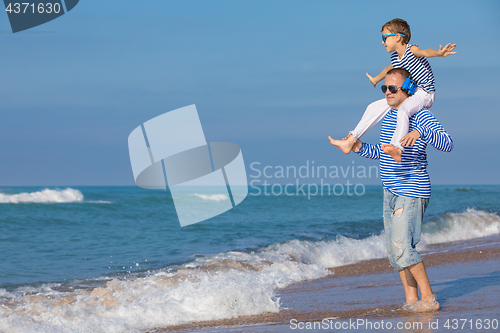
(44, 196)
(451, 227)
(212, 197)
(226, 285)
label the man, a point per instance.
(407, 189)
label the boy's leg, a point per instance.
(344, 145)
(410, 106)
(373, 114)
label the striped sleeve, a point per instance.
(408, 178)
(369, 151)
(432, 132)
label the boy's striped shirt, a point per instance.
(408, 178)
(419, 68)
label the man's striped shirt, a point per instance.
(408, 178)
(419, 68)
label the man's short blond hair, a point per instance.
(401, 71)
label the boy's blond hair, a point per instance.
(399, 26)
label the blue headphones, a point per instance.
(409, 86)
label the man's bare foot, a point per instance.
(412, 301)
(410, 305)
(393, 151)
(427, 304)
(344, 145)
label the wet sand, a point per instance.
(464, 275)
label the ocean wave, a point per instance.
(44, 196)
(212, 197)
(450, 227)
(226, 285)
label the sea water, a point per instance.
(115, 259)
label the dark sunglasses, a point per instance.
(392, 89)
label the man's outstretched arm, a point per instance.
(367, 150)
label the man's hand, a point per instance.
(446, 51)
(372, 80)
(410, 138)
(357, 146)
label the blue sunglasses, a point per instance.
(388, 35)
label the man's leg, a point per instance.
(428, 297)
(410, 286)
(393, 205)
(402, 222)
(420, 276)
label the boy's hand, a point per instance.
(446, 51)
(410, 138)
(372, 80)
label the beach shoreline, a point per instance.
(369, 289)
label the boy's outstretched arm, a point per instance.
(380, 77)
(429, 53)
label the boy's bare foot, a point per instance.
(393, 151)
(372, 80)
(344, 145)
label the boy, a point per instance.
(395, 37)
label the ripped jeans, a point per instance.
(402, 223)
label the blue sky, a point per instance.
(274, 77)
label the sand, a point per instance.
(367, 295)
